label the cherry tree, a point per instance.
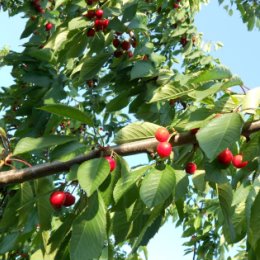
(99, 80)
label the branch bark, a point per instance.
(144, 146)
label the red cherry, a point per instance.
(90, 2)
(126, 45)
(99, 13)
(164, 149)
(183, 41)
(176, 6)
(191, 167)
(90, 14)
(112, 162)
(69, 199)
(91, 32)
(116, 42)
(105, 23)
(57, 199)
(40, 9)
(162, 134)
(238, 161)
(194, 130)
(48, 26)
(134, 43)
(118, 54)
(130, 54)
(225, 157)
(98, 24)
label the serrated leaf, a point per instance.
(92, 173)
(157, 186)
(70, 112)
(216, 73)
(219, 134)
(29, 144)
(136, 131)
(171, 91)
(89, 230)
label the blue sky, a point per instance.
(240, 53)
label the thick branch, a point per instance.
(144, 146)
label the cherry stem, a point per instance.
(19, 160)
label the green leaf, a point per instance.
(219, 134)
(29, 144)
(92, 173)
(157, 186)
(139, 22)
(8, 242)
(225, 199)
(198, 180)
(44, 209)
(77, 23)
(67, 151)
(241, 194)
(142, 69)
(216, 73)
(214, 173)
(70, 112)
(119, 102)
(89, 230)
(129, 12)
(255, 222)
(251, 101)
(182, 183)
(171, 91)
(92, 66)
(135, 131)
(125, 183)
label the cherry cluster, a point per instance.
(100, 24)
(91, 2)
(37, 5)
(164, 148)
(226, 157)
(61, 198)
(123, 46)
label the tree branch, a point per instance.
(144, 146)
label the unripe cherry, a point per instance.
(164, 149)
(191, 167)
(225, 157)
(162, 134)
(112, 162)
